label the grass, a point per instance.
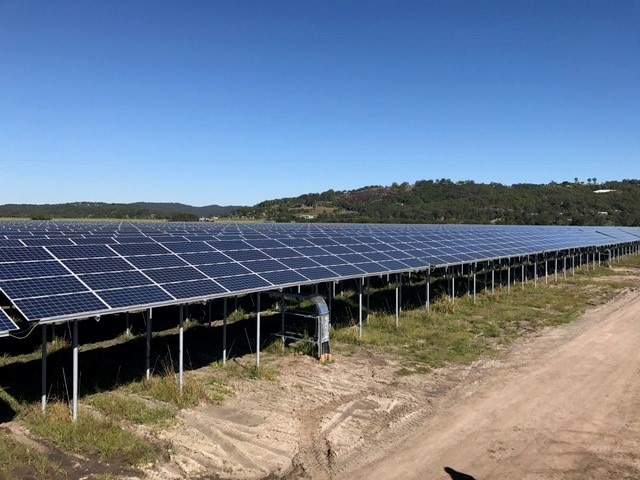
(131, 409)
(18, 460)
(233, 369)
(89, 435)
(459, 331)
(165, 388)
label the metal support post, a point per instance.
(181, 350)
(128, 331)
(493, 279)
(555, 269)
(148, 353)
(43, 378)
(509, 277)
(535, 273)
(282, 307)
(546, 269)
(475, 267)
(209, 312)
(399, 286)
(427, 288)
(360, 307)
(74, 409)
(367, 286)
(258, 331)
(224, 331)
(397, 302)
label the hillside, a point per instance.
(444, 201)
(139, 210)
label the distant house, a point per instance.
(603, 191)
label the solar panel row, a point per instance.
(70, 269)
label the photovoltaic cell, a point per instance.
(259, 266)
(319, 273)
(188, 247)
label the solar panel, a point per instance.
(6, 324)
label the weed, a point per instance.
(18, 460)
(89, 435)
(131, 409)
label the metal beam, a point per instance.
(224, 331)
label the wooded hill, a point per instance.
(140, 210)
(444, 201)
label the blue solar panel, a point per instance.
(347, 270)
(20, 270)
(175, 274)
(156, 261)
(259, 266)
(225, 245)
(284, 277)
(318, 273)
(59, 305)
(240, 255)
(139, 249)
(223, 270)
(132, 296)
(6, 324)
(205, 258)
(39, 287)
(23, 254)
(188, 247)
(301, 262)
(81, 251)
(103, 281)
(328, 260)
(97, 265)
(242, 283)
(194, 289)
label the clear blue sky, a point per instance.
(235, 102)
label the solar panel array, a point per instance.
(52, 271)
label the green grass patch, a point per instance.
(90, 435)
(459, 331)
(18, 460)
(165, 388)
(234, 369)
(119, 407)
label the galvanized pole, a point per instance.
(509, 277)
(367, 287)
(43, 378)
(475, 267)
(74, 409)
(180, 349)
(427, 288)
(224, 331)
(360, 307)
(148, 355)
(258, 332)
(397, 302)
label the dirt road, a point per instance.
(563, 404)
(566, 406)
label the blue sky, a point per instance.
(235, 102)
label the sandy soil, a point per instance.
(564, 404)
